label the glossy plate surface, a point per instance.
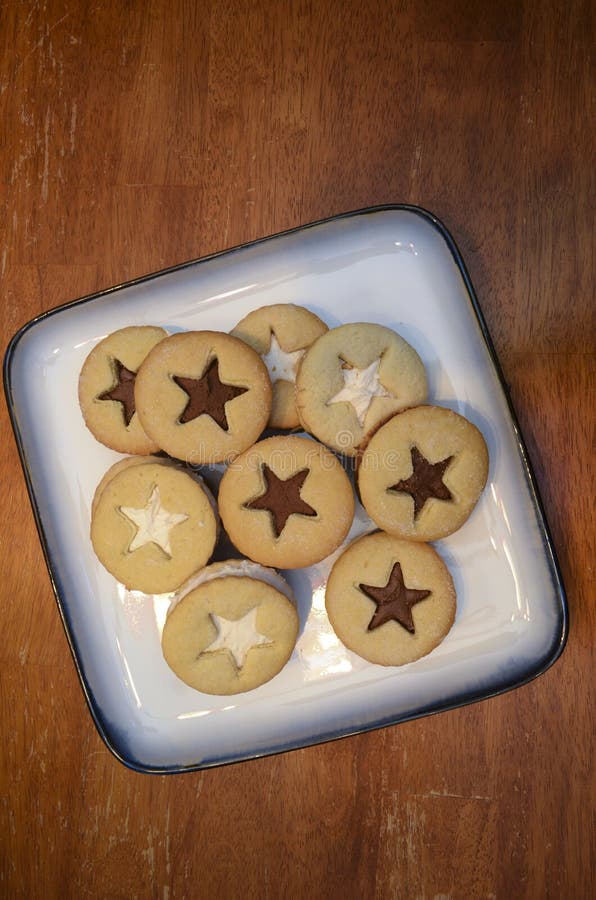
(393, 265)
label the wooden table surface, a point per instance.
(138, 135)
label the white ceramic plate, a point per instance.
(394, 265)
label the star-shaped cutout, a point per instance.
(426, 481)
(123, 391)
(153, 523)
(237, 636)
(207, 395)
(360, 388)
(394, 601)
(281, 364)
(281, 498)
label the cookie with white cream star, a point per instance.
(153, 525)
(281, 334)
(352, 378)
(232, 628)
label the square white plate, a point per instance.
(395, 265)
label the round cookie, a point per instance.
(203, 396)
(281, 334)
(153, 525)
(232, 630)
(286, 502)
(106, 388)
(422, 473)
(388, 600)
(352, 378)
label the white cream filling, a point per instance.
(237, 636)
(237, 568)
(153, 523)
(280, 364)
(360, 388)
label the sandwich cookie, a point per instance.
(281, 334)
(203, 396)
(286, 502)
(106, 388)
(352, 378)
(233, 628)
(422, 472)
(390, 601)
(153, 525)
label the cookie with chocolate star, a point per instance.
(281, 334)
(422, 472)
(286, 502)
(203, 396)
(390, 601)
(153, 524)
(352, 378)
(231, 628)
(106, 388)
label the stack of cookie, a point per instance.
(178, 402)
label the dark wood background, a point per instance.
(138, 135)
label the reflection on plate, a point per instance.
(394, 265)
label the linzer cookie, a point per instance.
(203, 396)
(106, 388)
(352, 378)
(153, 525)
(286, 502)
(233, 628)
(281, 333)
(390, 601)
(422, 473)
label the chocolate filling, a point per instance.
(123, 391)
(394, 601)
(281, 498)
(426, 481)
(207, 395)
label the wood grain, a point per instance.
(135, 136)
